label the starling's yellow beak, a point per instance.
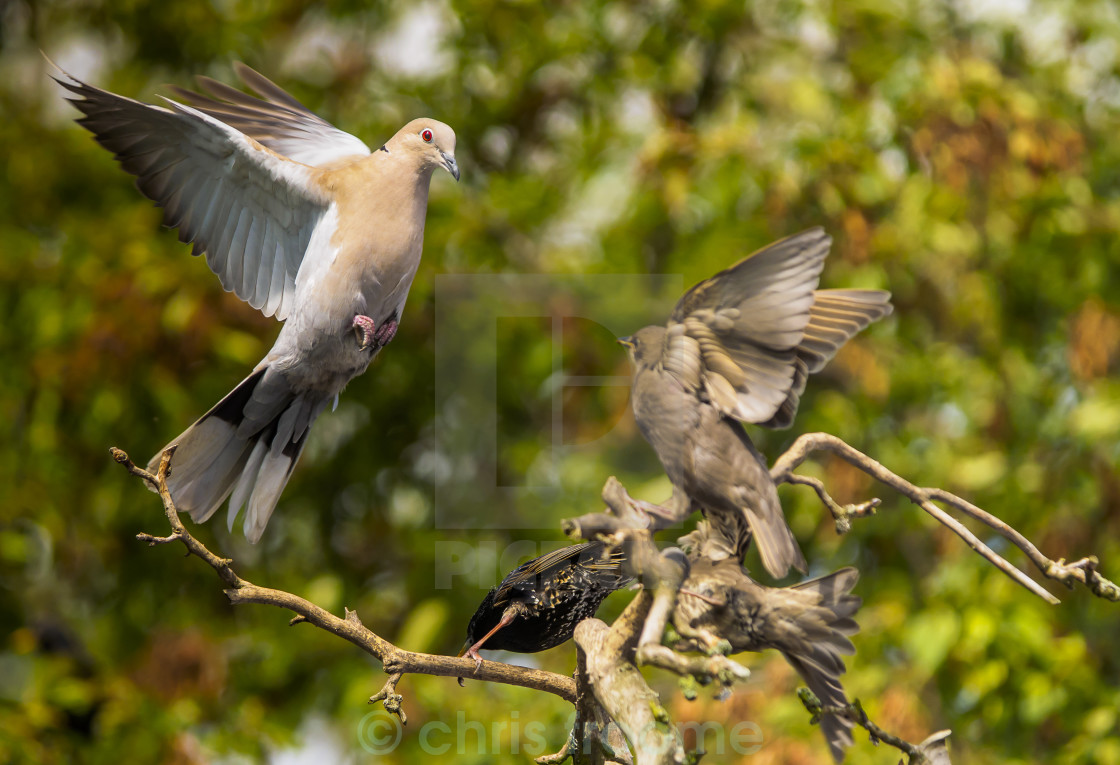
(463, 650)
(626, 341)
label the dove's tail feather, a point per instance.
(246, 446)
(817, 656)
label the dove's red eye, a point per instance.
(426, 135)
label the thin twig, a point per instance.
(1083, 571)
(854, 712)
(390, 699)
(842, 514)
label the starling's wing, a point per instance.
(528, 576)
(606, 570)
(277, 120)
(826, 686)
(817, 642)
(744, 325)
(750, 335)
(251, 210)
(835, 317)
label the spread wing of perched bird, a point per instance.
(810, 623)
(538, 605)
(303, 222)
(739, 348)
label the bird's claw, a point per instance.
(372, 336)
(471, 653)
(367, 331)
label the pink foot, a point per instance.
(385, 333)
(366, 330)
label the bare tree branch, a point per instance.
(622, 690)
(612, 698)
(1083, 571)
(396, 661)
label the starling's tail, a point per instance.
(247, 446)
(729, 535)
(777, 546)
(821, 639)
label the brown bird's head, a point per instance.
(644, 346)
(431, 141)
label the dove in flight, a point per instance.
(738, 349)
(300, 220)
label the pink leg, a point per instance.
(472, 652)
(365, 328)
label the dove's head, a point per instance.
(430, 141)
(645, 346)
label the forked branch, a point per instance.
(1083, 571)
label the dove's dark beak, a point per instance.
(450, 164)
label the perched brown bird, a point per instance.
(738, 348)
(809, 623)
(303, 222)
(538, 605)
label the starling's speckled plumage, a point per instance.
(809, 623)
(538, 605)
(739, 348)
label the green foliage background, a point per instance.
(964, 155)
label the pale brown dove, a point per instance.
(738, 348)
(300, 220)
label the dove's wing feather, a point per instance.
(276, 120)
(249, 209)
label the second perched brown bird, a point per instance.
(738, 348)
(809, 623)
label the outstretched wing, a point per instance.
(750, 335)
(251, 210)
(276, 119)
(835, 317)
(739, 330)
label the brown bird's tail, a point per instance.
(816, 652)
(777, 546)
(246, 446)
(729, 535)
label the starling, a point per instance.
(538, 605)
(809, 623)
(738, 348)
